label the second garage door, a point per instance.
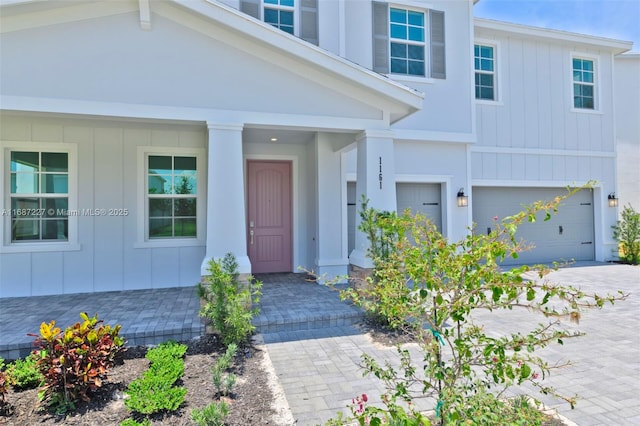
(568, 235)
(424, 198)
(421, 198)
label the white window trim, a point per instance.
(596, 82)
(415, 7)
(296, 13)
(142, 228)
(497, 72)
(6, 245)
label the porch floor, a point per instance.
(290, 305)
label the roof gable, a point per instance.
(195, 54)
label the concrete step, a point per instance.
(286, 322)
(290, 303)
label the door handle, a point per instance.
(251, 234)
(560, 229)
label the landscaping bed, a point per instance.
(251, 401)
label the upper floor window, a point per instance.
(583, 83)
(279, 13)
(408, 41)
(485, 75)
(296, 17)
(39, 196)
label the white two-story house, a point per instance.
(141, 138)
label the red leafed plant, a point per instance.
(75, 361)
(4, 388)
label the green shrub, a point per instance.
(155, 390)
(222, 380)
(383, 296)
(213, 414)
(486, 409)
(75, 361)
(153, 394)
(133, 422)
(24, 374)
(447, 282)
(228, 302)
(167, 350)
(627, 233)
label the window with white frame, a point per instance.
(172, 191)
(407, 41)
(583, 83)
(39, 196)
(280, 14)
(485, 72)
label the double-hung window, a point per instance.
(583, 83)
(485, 72)
(39, 196)
(172, 188)
(296, 17)
(280, 13)
(407, 41)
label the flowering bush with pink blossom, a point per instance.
(443, 283)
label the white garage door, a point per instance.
(419, 197)
(423, 198)
(568, 235)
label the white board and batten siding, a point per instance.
(568, 235)
(108, 255)
(534, 107)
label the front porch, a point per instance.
(289, 304)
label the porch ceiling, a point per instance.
(281, 136)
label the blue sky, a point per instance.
(618, 19)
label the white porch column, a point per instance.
(226, 230)
(331, 251)
(376, 180)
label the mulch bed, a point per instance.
(252, 401)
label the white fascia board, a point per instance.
(628, 56)
(334, 65)
(118, 110)
(22, 15)
(616, 46)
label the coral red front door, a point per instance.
(269, 222)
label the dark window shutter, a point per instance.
(250, 7)
(438, 59)
(381, 37)
(309, 21)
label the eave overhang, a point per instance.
(615, 46)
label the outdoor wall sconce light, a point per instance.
(613, 201)
(463, 200)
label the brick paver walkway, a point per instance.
(315, 348)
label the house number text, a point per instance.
(380, 171)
